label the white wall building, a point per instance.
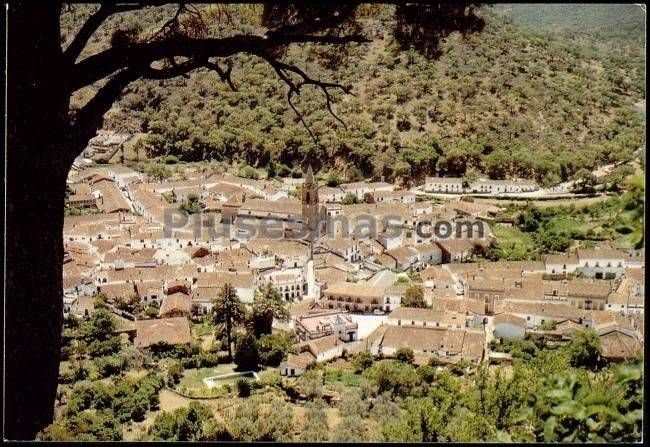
(445, 185)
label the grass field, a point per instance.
(570, 225)
(578, 201)
(193, 378)
(347, 378)
(513, 241)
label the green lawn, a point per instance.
(193, 378)
(232, 380)
(347, 378)
(513, 243)
(567, 225)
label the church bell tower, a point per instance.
(310, 204)
(310, 218)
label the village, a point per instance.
(346, 290)
(301, 222)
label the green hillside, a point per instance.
(624, 21)
(503, 102)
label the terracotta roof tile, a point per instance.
(173, 331)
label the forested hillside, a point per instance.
(504, 102)
(611, 21)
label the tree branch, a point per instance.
(85, 122)
(224, 75)
(132, 61)
(173, 70)
(74, 49)
(98, 66)
(171, 24)
(281, 68)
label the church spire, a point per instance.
(309, 178)
(310, 204)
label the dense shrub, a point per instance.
(243, 387)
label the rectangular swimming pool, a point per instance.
(230, 378)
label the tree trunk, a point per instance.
(229, 335)
(37, 167)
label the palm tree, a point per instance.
(228, 310)
(267, 305)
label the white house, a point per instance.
(393, 297)
(391, 239)
(347, 248)
(360, 189)
(487, 186)
(390, 197)
(445, 185)
(123, 175)
(317, 324)
(601, 263)
(324, 348)
(328, 194)
(564, 263)
(291, 283)
(296, 365)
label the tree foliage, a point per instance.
(268, 305)
(414, 297)
(246, 352)
(184, 424)
(273, 348)
(228, 310)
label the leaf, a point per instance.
(569, 408)
(594, 425)
(601, 409)
(634, 416)
(503, 436)
(549, 429)
(627, 373)
(524, 414)
(560, 394)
